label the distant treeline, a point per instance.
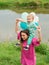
(24, 5)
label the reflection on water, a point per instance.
(7, 25)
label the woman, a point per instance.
(29, 57)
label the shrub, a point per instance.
(42, 48)
(47, 56)
(2, 4)
(46, 5)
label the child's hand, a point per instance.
(19, 20)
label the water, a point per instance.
(7, 25)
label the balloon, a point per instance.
(24, 16)
(23, 25)
(36, 18)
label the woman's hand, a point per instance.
(39, 29)
(39, 33)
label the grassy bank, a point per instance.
(22, 1)
(10, 55)
(38, 6)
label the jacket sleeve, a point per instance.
(35, 42)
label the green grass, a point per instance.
(43, 1)
(10, 55)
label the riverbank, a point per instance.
(19, 7)
(20, 10)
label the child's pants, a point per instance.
(30, 39)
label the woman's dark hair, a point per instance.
(26, 32)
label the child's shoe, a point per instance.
(26, 48)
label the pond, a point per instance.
(7, 25)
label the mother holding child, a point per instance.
(27, 38)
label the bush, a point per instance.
(27, 5)
(47, 56)
(42, 48)
(33, 4)
(46, 5)
(17, 4)
(3, 4)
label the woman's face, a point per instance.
(24, 36)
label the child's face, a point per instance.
(30, 18)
